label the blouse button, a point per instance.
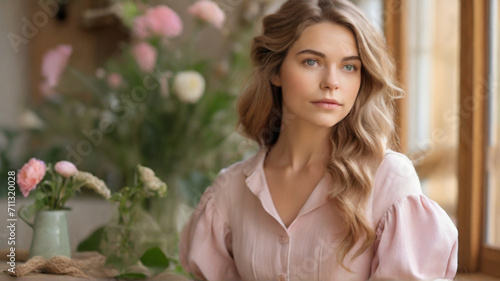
(281, 277)
(283, 239)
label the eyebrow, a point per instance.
(319, 54)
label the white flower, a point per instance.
(189, 86)
(152, 184)
(100, 73)
(29, 120)
(145, 173)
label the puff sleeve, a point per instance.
(415, 239)
(205, 242)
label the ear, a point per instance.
(276, 80)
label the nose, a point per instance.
(330, 79)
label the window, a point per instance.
(492, 236)
(433, 93)
(373, 10)
(490, 243)
(466, 87)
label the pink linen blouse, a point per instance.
(236, 233)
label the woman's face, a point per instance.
(321, 75)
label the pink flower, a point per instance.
(47, 90)
(145, 56)
(30, 175)
(114, 80)
(208, 11)
(140, 28)
(158, 21)
(54, 62)
(65, 168)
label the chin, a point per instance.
(327, 120)
(326, 124)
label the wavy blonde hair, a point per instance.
(359, 141)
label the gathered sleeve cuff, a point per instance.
(205, 243)
(415, 239)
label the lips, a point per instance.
(327, 103)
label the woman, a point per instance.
(325, 198)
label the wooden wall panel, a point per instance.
(91, 46)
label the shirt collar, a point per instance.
(257, 183)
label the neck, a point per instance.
(301, 145)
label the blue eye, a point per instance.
(350, 67)
(311, 62)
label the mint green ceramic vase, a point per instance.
(50, 235)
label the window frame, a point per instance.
(473, 132)
(396, 30)
(489, 256)
(474, 255)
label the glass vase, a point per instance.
(124, 241)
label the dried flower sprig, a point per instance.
(93, 183)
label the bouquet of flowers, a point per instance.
(54, 185)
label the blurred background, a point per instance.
(80, 82)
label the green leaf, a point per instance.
(40, 196)
(155, 260)
(131, 276)
(92, 242)
(180, 271)
(116, 197)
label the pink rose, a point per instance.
(114, 80)
(65, 168)
(145, 56)
(53, 64)
(208, 11)
(158, 21)
(30, 175)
